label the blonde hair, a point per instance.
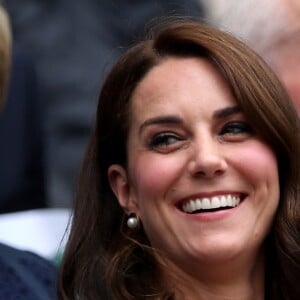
(5, 53)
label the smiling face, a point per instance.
(202, 182)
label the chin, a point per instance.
(222, 250)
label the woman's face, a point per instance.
(204, 185)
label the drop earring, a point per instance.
(133, 221)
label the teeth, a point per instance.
(199, 204)
(223, 201)
(229, 200)
(215, 202)
(210, 203)
(205, 203)
(193, 205)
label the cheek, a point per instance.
(153, 175)
(258, 163)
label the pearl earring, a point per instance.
(132, 221)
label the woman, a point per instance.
(189, 188)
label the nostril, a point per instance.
(209, 170)
(219, 172)
(208, 173)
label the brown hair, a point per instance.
(5, 54)
(105, 260)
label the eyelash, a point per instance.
(166, 139)
(162, 140)
(235, 128)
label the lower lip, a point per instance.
(213, 216)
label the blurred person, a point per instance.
(23, 275)
(73, 43)
(189, 188)
(271, 28)
(22, 170)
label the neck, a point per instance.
(230, 281)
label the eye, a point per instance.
(236, 128)
(163, 140)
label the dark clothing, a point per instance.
(21, 134)
(25, 276)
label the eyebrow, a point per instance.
(173, 119)
(168, 119)
(226, 112)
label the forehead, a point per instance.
(180, 82)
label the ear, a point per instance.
(119, 184)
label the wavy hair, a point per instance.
(105, 260)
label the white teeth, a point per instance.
(223, 201)
(206, 203)
(210, 203)
(193, 205)
(234, 201)
(229, 200)
(198, 203)
(215, 202)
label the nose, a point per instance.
(207, 159)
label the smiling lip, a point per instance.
(210, 203)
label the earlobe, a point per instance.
(119, 184)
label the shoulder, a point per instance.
(25, 275)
